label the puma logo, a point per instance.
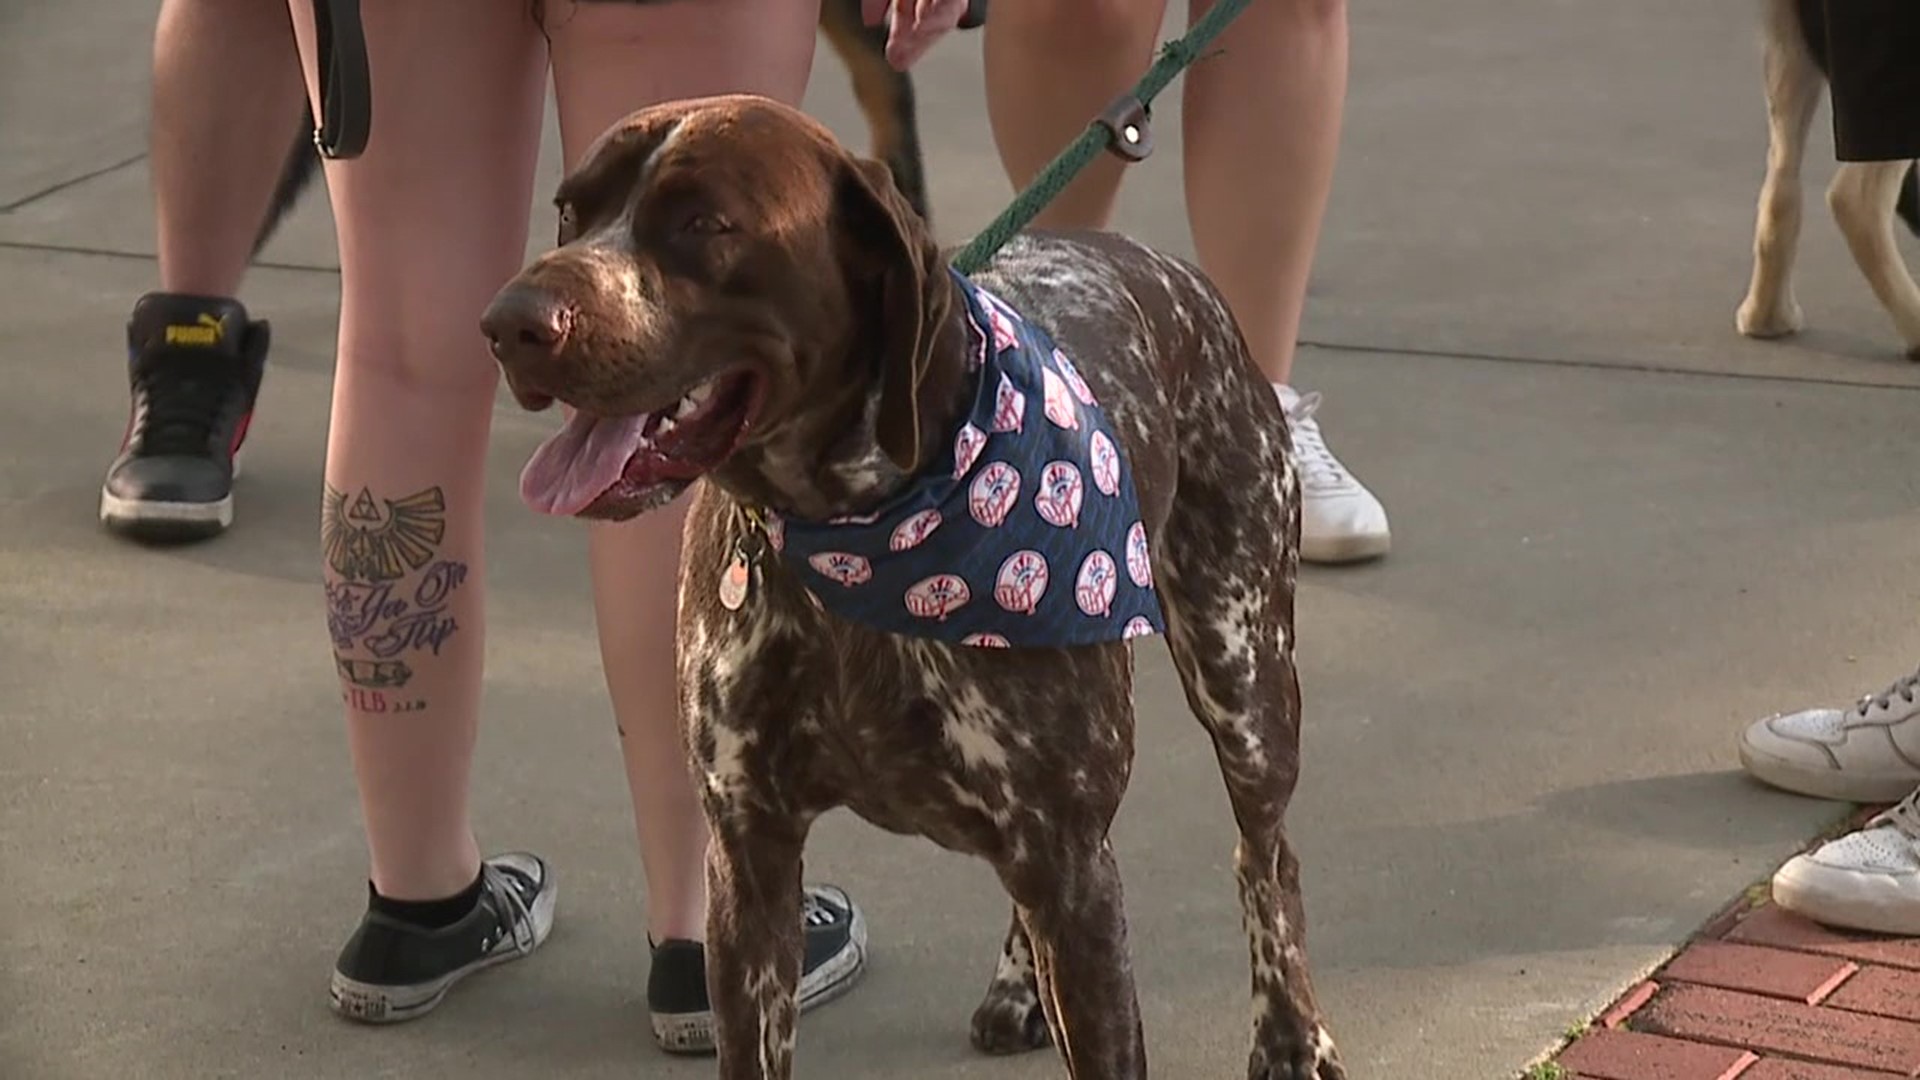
(206, 330)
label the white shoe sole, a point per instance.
(1843, 785)
(1345, 549)
(692, 1033)
(141, 517)
(371, 1004)
(1877, 903)
(162, 520)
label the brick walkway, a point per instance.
(1761, 994)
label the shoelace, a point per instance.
(519, 916)
(1902, 688)
(184, 395)
(815, 912)
(1904, 816)
(1319, 469)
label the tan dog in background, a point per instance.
(1864, 197)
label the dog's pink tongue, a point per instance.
(580, 462)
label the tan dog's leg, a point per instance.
(1861, 197)
(886, 98)
(1793, 89)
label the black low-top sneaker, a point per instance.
(194, 365)
(836, 955)
(392, 970)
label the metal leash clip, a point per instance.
(346, 85)
(1129, 125)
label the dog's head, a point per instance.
(734, 295)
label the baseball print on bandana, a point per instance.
(1024, 532)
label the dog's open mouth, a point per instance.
(619, 466)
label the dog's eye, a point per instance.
(704, 224)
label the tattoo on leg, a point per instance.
(374, 674)
(375, 540)
(393, 594)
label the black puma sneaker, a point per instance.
(195, 364)
(836, 955)
(393, 970)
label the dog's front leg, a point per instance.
(1793, 90)
(754, 942)
(1072, 905)
(1010, 1019)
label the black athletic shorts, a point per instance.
(1871, 52)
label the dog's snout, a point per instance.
(526, 325)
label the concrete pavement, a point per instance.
(1621, 531)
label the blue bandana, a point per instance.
(1024, 532)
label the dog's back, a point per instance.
(1161, 346)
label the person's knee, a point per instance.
(1311, 15)
(244, 19)
(435, 358)
(1093, 25)
(1321, 11)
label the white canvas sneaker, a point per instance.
(1340, 520)
(1869, 753)
(1865, 880)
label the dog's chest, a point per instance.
(966, 747)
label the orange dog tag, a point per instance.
(733, 581)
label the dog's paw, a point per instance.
(1756, 320)
(1010, 1021)
(1311, 1058)
(1297, 1067)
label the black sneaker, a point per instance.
(195, 364)
(836, 937)
(391, 971)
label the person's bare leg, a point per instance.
(431, 222)
(226, 106)
(227, 101)
(1051, 67)
(608, 61)
(1261, 125)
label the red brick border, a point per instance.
(1762, 994)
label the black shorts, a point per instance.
(1870, 50)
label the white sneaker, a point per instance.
(1869, 753)
(1340, 520)
(1866, 880)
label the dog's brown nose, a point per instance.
(526, 325)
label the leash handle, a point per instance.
(346, 84)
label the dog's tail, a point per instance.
(303, 162)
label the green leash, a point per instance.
(1122, 128)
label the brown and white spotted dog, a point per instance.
(765, 308)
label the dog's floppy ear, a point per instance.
(893, 253)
